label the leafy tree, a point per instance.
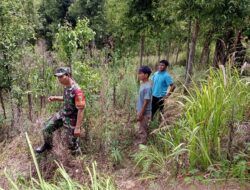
(69, 39)
(16, 31)
(52, 14)
(117, 28)
(94, 12)
(222, 17)
(140, 20)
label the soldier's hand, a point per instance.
(77, 132)
(51, 98)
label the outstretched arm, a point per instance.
(55, 98)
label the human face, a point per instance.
(142, 76)
(162, 67)
(64, 79)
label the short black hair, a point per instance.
(165, 62)
(145, 69)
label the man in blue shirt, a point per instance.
(161, 82)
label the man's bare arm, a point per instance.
(55, 98)
(172, 88)
(145, 104)
(80, 117)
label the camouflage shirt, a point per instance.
(74, 99)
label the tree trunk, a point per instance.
(114, 95)
(92, 48)
(169, 49)
(42, 102)
(188, 44)
(125, 97)
(29, 102)
(177, 55)
(192, 53)
(159, 51)
(12, 111)
(206, 50)
(142, 44)
(19, 109)
(166, 51)
(219, 53)
(43, 78)
(2, 103)
(224, 47)
(147, 57)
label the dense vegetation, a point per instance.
(204, 130)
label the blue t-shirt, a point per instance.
(145, 93)
(161, 82)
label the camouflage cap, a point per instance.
(62, 71)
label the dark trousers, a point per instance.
(157, 104)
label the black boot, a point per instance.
(43, 148)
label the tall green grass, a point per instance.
(209, 109)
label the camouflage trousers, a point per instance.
(55, 122)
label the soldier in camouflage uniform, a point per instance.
(70, 116)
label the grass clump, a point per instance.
(209, 111)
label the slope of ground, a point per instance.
(16, 159)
